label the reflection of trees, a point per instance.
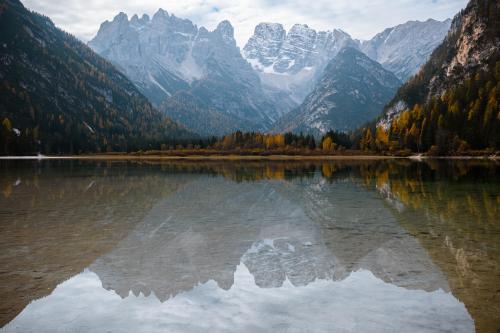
(453, 209)
(367, 238)
(251, 170)
(241, 171)
(60, 217)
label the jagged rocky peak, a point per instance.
(297, 48)
(403, 49)
(352, 90)
(155, 53)
(292, 62)
(270, 31)
(301, 34)
(121, 17)
(117, 27)
(265, 43)
(226, 31)
(135, 21)
(167, 57)
(161, 15)
(274, 51)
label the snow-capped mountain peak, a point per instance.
(404, 48)
(292, 61)
(174, 62)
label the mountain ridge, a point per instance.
(452, 103)
(404, 48)
(58, 96)
(292, 61)
(352, 90)
(252, 88)
(166, 55)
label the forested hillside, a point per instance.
(452, 104)
(58, 96)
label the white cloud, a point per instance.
(360, 18)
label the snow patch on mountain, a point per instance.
(292, 61)
(403, 49)
(166, 56)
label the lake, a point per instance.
(336, 246)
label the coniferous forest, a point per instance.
(59, 97)
(466, 117)
(452, 103)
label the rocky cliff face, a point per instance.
(165, 55)
(292, 62)
(472, 45)
(403, 49)
(181, 68)
(352, 90)
(155, 53)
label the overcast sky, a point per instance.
(360, 18)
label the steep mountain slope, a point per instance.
(453, 101)
(166, 55)
(292, 62)
(159, 62)
(57, 96)
(187, 108)
(352, 91)
(403, 49)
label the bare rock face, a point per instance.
(292, 62)
(403, 49)
(471, 45)
(154, 53)
(166, 55)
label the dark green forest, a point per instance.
(58, 97)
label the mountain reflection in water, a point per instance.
(250, 246)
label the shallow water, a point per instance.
(359, 246)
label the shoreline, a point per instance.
(124, 157)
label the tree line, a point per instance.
(466, 117)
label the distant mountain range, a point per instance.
(352, 91)
(293, 62)
(201, 79)
(58, 96)
(165, 55)
(160, 79)
(403, 49)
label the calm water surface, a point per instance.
(250, 247)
